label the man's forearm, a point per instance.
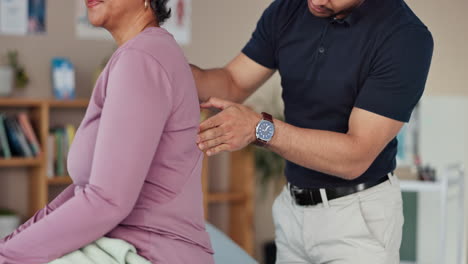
(213, 83)
(346, 156)
(329, 152)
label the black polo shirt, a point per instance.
(376, 59)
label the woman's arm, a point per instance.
(56, 203)
(134, 114)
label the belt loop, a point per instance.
(323, 194)
(391, 178)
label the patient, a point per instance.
(134, 164)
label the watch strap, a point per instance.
(267, 117)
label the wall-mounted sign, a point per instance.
(21, 17)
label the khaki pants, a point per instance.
(364, 228)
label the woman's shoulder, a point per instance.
(155, 42)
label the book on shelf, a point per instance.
(71, 131)
(60, 139)
(15, 132)
(50, 156)
(5, 146)
(13, 138)
(25, 148)
(59, 166)
(29, 133)
(1, 150)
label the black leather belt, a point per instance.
(310, 197)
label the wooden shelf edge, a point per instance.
(59, 180)
(76, 103)
(20, 102)
(219, 197)
(20, 162)
(37, 102)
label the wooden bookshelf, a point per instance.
(39, 114)
(239, 197)
(59, 181)
(20, 103)
(226, 197)
(19, 162)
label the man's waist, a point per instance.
(306, 178)
(314, 196)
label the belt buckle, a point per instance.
(296, 190)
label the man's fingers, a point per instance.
(209, 134)
(212, 143)
(216, 103)
(218, 149)
(206, 104)
(211, 122)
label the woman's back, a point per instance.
(148, 101)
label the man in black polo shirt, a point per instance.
(352, 72)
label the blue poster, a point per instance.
(37, 16)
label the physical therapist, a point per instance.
(351, 71)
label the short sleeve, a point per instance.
(261, 47)
(398, 74)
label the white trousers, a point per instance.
(361, 228)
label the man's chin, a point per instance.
(319, 14)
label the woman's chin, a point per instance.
(95, 21)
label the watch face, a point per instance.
(265, 130)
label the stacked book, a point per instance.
(17, 137)
(58, 144)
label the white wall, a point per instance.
(443, 141)
(444, 129)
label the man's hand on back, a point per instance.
(233, 128)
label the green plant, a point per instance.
(21, 78)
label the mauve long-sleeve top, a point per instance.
(134, 161)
